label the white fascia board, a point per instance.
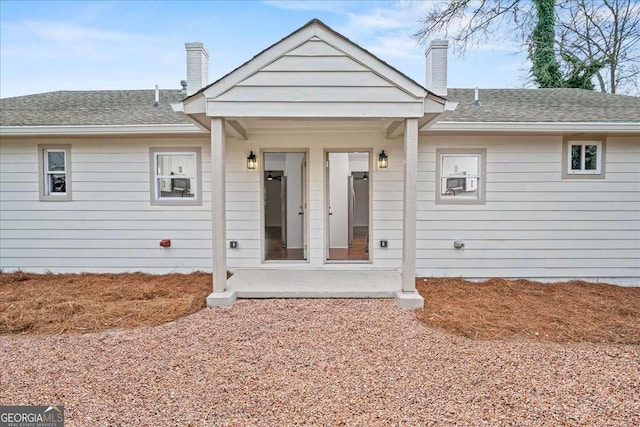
(99, 130)
(536, 127)
(434, 105)
(450, 106)
(349, 110)
(195, 105)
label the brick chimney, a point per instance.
(436, 55)
(197, 67)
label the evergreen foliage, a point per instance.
(545, 67)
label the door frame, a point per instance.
(305, 197)
(325, 207)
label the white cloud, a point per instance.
(319, 6)
(57, 39)
(54, 31)
(65, 32)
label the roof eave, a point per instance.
(168, 129)
(537, 127)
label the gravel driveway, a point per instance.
(318, 362)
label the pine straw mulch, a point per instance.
(573, 311)
(77, 303)
(496, 309)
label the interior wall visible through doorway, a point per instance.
(348, 188)
(284, 222)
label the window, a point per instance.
(583, 158)
(460, 176)
(175, 176)
(55, 172)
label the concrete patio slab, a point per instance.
(272, 283)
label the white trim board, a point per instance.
(536, 127)
(100, 130)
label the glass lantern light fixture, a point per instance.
(251, 161)
(383, 160)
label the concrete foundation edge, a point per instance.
(221, 299)
(408, 300)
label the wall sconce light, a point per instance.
(251, 161)
(383, 160)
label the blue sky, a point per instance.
(91, 45)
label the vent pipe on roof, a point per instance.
(156, 104)
(197, 66)
(183, 91)
(436, 56)
(476, 100)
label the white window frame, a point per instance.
(156, 199)
(44, 173)
(568, 172)
(481, 154)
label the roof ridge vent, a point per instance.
(156, 104)
(476, 100)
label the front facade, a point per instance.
(315, 155)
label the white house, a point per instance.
(316, 156)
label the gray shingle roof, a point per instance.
(104, 107)
(543, 105)
(135, 107)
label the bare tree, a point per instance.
(605, 31)
(588, 33)
(468, 22)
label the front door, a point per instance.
(284, 206)
(348, 188)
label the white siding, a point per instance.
(244, 223)
(534, 223)
(316, 80)
(110, 225)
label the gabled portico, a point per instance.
(313, 92)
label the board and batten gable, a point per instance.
(534, 224)
(110, 224)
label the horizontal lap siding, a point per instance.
(110, 225)
(316, 80)
(534, 223)
(243, 195)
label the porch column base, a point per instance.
(408, 300)
(221, 299)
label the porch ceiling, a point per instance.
(264, 123)
(242, 127)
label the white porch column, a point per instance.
(408, 297)
(220, 296)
